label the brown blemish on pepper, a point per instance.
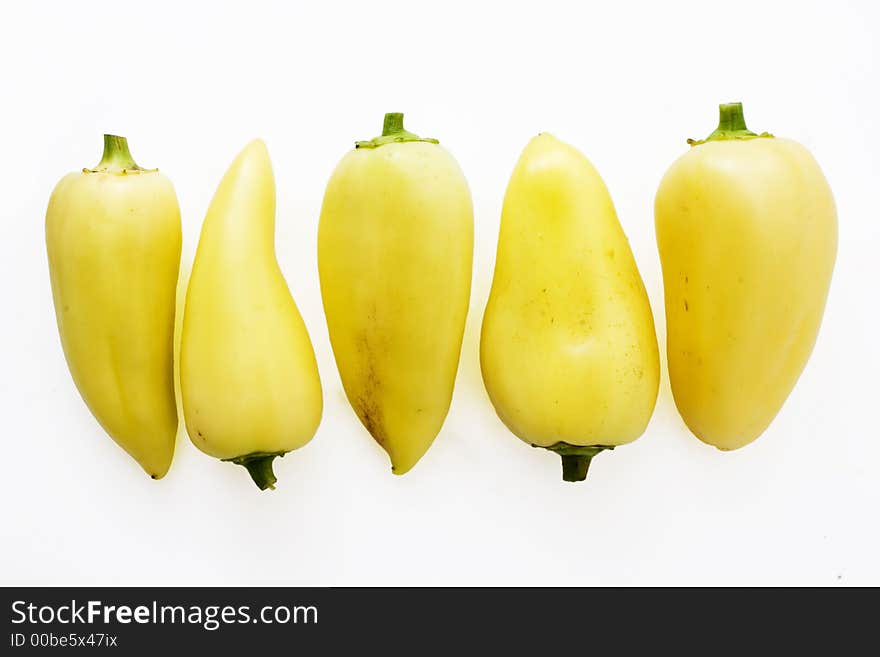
(365, 405)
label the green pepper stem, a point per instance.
(392, 132)
(731, 118)
(731, 125)
(393, 124)
(116, 157)
(575, 458)
(575, 467)
(259, 467)
(260, 471)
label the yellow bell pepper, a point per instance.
(248, 374)
(568, 350)
(747, 233)
(395, 245)
(113, 241)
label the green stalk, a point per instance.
(576, 459)
(117, 158)
(731, 125)
(393, 133)
(259, 466)
(575, 468)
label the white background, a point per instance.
(190, 83)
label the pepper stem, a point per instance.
(731, 125)
(116, 157)
(575, 458)
(259, 467)
(730, 117)
(393, 124)
(260, 471)
(392, 132)
(575, 467)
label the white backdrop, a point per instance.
(626, 82)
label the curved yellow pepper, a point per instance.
(395, 245)
(113, 240)
(568, 350)
(248, 374)
(747, 234)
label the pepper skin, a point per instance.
(395, 246)
(568, 351)
(113, 240)
(248, 373)
(747, 233)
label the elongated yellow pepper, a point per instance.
(395, 245)
(113, 240)
(248, 374)
(568, 350)
(747, 233)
